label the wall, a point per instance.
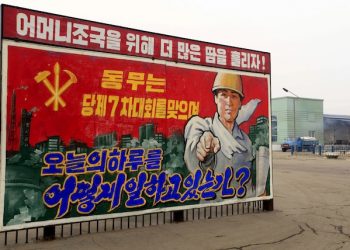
(308, 117)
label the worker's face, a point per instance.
(228, 104)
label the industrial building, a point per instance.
(294, 117)
(336, 129)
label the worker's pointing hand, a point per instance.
(208, 144)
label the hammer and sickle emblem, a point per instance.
(55, 90)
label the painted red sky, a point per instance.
(67, 122)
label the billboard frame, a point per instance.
(5, 42)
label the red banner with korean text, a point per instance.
(118, 94)
(45, 28)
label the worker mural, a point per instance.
(90, 133)
(218, 144)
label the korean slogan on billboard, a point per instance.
(90, 133)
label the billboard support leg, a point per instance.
(49, 232)
(268, 205)
(179, 216)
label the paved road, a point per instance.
(312, 211)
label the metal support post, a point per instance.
(179, 216)
(268, 205)
(49, 232)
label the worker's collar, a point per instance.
(230, 142)
(236, 132)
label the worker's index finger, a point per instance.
(208, 140)
(216, 145)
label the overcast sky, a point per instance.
(308, 40)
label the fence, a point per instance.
(336, 148)
(325, 150)
(35, 234)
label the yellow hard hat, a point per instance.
(228, 81)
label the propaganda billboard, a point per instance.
(126, 123)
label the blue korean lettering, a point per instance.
(153, 159)
(227, 191)
(134, 188)
(156, 186)
(96, 161)
(119, 184)
(191, 183)
(54, 162)
(173, 189)
(242, 177)
(135, 159)
(210, 184)
(55, 195)
(75, 163)
(116, 160)
(106, 192)
(85, 194)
